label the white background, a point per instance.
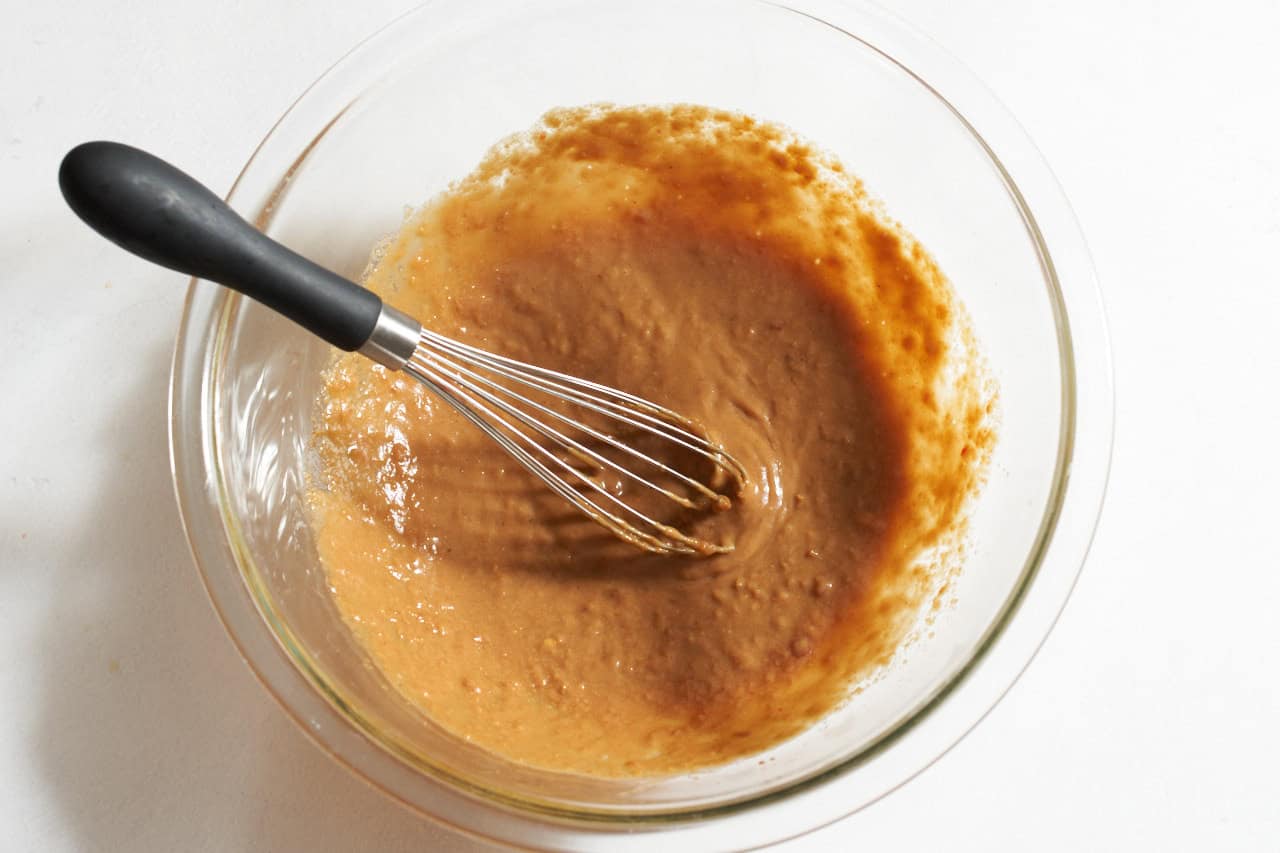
(1150, 720)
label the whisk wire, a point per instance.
(626, 408)
(472, 408)
(460, 374)
(452, 370)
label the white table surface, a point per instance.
(1149, 721)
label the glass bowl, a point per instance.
(414, 108)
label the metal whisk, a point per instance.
(159, 213)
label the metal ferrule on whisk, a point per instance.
(394, 338)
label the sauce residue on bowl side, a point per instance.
(720, 266)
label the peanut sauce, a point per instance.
(722, 267)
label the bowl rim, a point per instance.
(1008, 644)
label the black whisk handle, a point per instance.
(158, 212)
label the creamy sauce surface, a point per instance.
(717, 265)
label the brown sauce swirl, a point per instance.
(718, 265)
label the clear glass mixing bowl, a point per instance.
(415, 107)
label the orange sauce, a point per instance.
(716, 264)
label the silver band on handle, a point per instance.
(394, 338)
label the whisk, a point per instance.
(159, 213)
